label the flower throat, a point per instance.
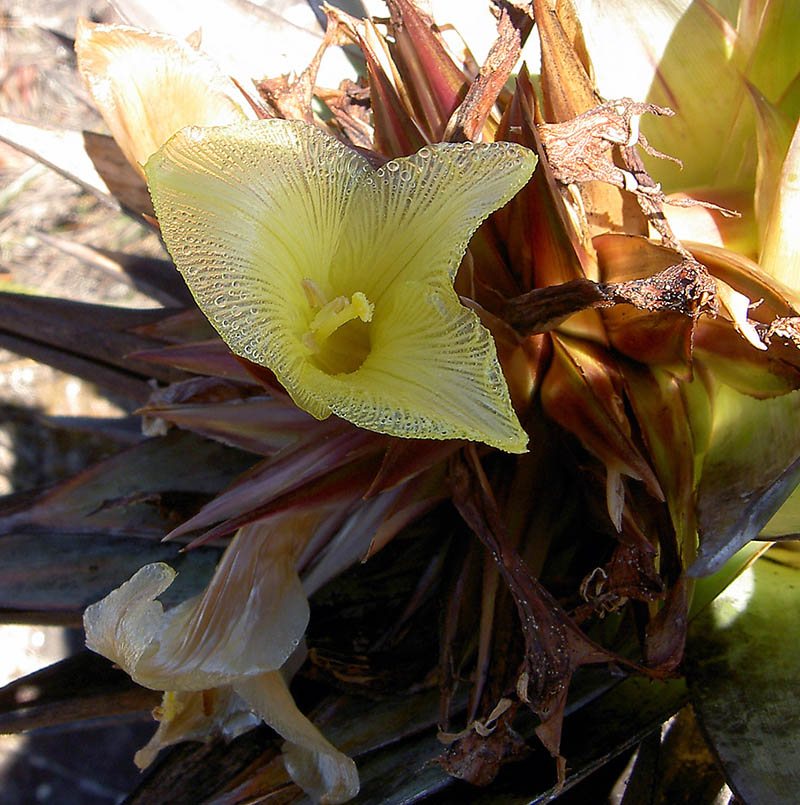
(337, 338)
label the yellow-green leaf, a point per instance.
(752, 466)
(774, 133)
(693, 56)
(780, 253)
(742, 660)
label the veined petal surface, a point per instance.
(248, 212)
(415, 215)
(273, 222)
(432, 372)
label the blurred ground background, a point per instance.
(38, 84)
(88, 764)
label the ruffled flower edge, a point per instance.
(255, 213)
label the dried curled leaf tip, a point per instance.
(339, 277)
(578, 149)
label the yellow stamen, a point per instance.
(314, 295)
(331, 315)
(338, 312)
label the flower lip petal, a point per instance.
(284, 234)
(415, 215)
(123, 625)
(432, 373)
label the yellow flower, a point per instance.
(339, 277)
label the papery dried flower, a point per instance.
(147, 86)
(194, 716)
(218, 656)
(339, 277)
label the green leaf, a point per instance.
(768, 35)
(685, 50)
(786, 521)
(708, 588)
(742, 674)
(695, 55)
(780, 253)
(752, 465)
(774, 133)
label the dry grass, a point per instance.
(39, 84)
